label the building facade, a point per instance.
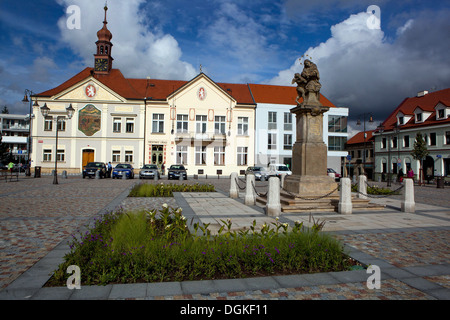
(211, 128)
(361, 152)
(14, 131)
(427, 113)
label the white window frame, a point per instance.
(200, 155)
(219, 124)
(61, 155)
(181, 154)
(158, 123)
(242, 156)
(182, 123)
(129, 125)
(287, 141)
(117, 125)
(271, 141)
(242, 126)
(115, 156)
(219, 155)
(272, 120)
(129, 156)
(46, 155)
(48, 123)
(287, 121)
(201, 123)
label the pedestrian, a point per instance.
(400, 175)
(410, 174)
(162, 168)
(109, 169)
(11, 166)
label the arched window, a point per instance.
(101, 49)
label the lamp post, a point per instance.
(35, 104)
(45, 111)
(358, 123)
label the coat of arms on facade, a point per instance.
(89, 120)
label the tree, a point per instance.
(5, 110)
(420, 152)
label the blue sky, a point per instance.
(366, 70)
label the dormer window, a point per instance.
(441, 113)
(419, 117)
(401, 120)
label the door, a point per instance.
(157, 155)
(88, 156)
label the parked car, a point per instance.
(176, 170)
(337, 176)
(123, 169)
(92, 167)
(277, 169)
(149, 171)
(260, 173)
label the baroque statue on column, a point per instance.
(308, 85)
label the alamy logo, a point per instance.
(374, 281)
(374, 21)
(74, 281)
(74, 19)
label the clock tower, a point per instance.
(103, 59)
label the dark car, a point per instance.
(176, 170)
(92, 167)
(149, 171)
(259, 172)
(123, 169)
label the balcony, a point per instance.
(207, 137)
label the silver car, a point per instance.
(149, 171)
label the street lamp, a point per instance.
(35, 104)
(45, 111)
(358, 123)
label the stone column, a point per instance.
(250, 196)
(345, 197)
(309, 154)
(234, 192)
(408, 203)
(362, 187)
(273, 206)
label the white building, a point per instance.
(14, 131)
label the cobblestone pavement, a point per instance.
(36, 216)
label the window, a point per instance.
(117, 125)
(200, 124)
(128, 156)
(61, 125)
(158, 123)
(48, 124)
(432, 138)
(182, 123)
(359, 153)
(47, 155)
(130, 125)
(383, 143)
(242, 126)
(401, 120)
(272, 141)
(200, 155)
(336, 143)
(242, 156)
(219, 155)
(116, 156)
(61, 155)
(419, 117)
(272, 120)
(287, 121)
(219, 125)
(181, 157)
(447, 137)
(394, 142)
(287, 142)
(337, 124)
(441, 113)
(406, 141)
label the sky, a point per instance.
(371, 54)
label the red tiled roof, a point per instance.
(359, 137)
(263, 93)
(160, 89)
(427, 103)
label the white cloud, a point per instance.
(362, 70)
(137, 51)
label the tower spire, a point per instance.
(103, 59)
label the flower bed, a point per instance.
(154, 246)
(166, 190)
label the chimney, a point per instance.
(422, 93)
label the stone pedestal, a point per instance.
(309, 155)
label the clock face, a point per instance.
(101, 64)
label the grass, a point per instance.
(155, 246)
(376, 190)
(166, 190)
